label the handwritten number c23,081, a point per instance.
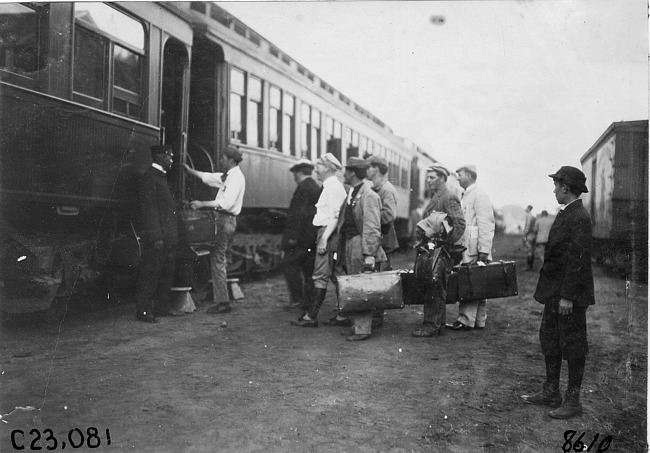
(579, 445)
(76, 439)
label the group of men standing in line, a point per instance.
(355, 233)
(330, 230)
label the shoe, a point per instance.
(570, 407)
(458, 326)
(347, 322)
(148, 318)
(358, 337)
(302, 322)
(479, 327)
(221, 308)
(548, 396)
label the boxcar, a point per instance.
(616, 167)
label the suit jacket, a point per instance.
(367, 216)
(445, 201)
(567, 260)
(298, 226)
(388, 196)
(157, 208)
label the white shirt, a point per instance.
(230, 197)
(330, 201)
(158, 167)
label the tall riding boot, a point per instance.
(550, 393)
(571, 405)
(317, 301)
(530, 260)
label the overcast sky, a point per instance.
(518, 88)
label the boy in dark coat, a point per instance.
(566, 288)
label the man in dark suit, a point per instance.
(299, 236)
(566, 288)
(159, 234)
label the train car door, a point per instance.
(175, 91)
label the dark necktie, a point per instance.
(223, 177)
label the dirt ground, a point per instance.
(250, 382)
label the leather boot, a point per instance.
(317, 301)
(548, 396)
(571, 406)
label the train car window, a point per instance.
(315, 134)
(405, 174)
(20, 42)
(288, 124)
(363, 146)
(254, 112)
(305, 132)
(237, 95)
(108, 62)
(90, 72)
(275, 99)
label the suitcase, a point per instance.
(195, 227)
(376, 290)
(413, 288)
(494, 280)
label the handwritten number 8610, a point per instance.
(581, 446)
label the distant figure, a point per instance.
(529, 237)
(566, 288)
(159, 232)
(478, 237)
(299, 236)
(542, 228)
(228, 205)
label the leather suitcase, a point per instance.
(196, 227)
(497, 279)
(376, 290)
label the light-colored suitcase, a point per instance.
(376, 290)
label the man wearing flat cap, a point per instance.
(566, 289)
(227, 204)
(159, 234)
(477, 239)
(325, 220)
(359, 233)
(435, 298)
(299, 236)
(377, 173)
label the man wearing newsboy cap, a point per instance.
(435, 298)
(566, 289)
(359, 233)
(299, 235)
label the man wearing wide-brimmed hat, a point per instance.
(566, 288)
(299, 235)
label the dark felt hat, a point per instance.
(377, 161)
(357, 162)
(571, 176)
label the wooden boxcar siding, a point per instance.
(600, 182)
(62, 152)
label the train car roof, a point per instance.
(621, 126)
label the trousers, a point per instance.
(225, 229)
